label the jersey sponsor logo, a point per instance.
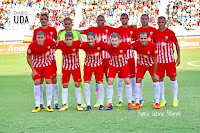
(104, 36)
(120, 56)
(149, 39)
(128, 39)
(121, 51)
(96, 54)
(163, 43)
(166, 37)
(145, 56)
(29, 51)
(73, 54)
(47, 53)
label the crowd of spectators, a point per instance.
(88, 10)
(184, 13)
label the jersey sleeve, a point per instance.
(55, 34)
(58, 45)
(87, 30)
(174, 39)
(59, 37)
(30, 50)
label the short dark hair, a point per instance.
(91, 34)
(114, 35)
(100, 16)
(66, 19)
(162, 17)
(45, 14)
(143, 33)
(124, 14)
(145, 15)
(40, 32)
(68, 34)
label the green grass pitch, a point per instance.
(17, 102)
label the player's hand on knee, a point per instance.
(34, 73)
(155, 77)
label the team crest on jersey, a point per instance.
(166, 37)
(131, 32)
(121, 51)
(98, 48)
(120, 56)
(106, 30)
(48, 47)
(104, 36)
(148, 52)
(74, 50)
(51, 33)
(29, 51)
(151, 33)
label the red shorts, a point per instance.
(54, 68)
(131, 64)
(141, 70)
(170, 69)
(105, 65)
(45, 72)
(98, 72)
(67, 73)
(123, 71)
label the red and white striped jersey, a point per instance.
(149, 30)
(70, 55)
(93, 53)
(145, 53)
(41, 54)
(118, 56)
(102, 34)
(127, 35)
(164, 42)
(50, 33)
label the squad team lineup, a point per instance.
(110, 52)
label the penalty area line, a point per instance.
(191, 63)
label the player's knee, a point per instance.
(37, 81)
(88, 82)
(99, 82)
(54, 80)
(161, 79)
(48, 81)
(138, 80)
(65, 85)
(127, 81)
(172, 78)
(77, 84)
(110, 82)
